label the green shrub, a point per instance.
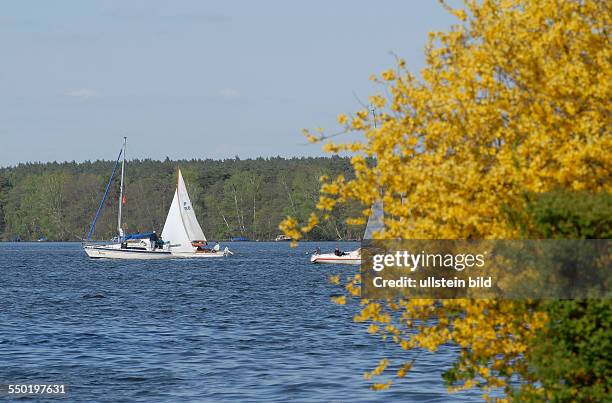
(570, 359)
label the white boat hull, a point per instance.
(116, 252)
(350, 258)
(202, 254)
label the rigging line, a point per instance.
(110, 180)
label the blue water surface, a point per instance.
(257, 326)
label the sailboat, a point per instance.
(182, 232)
(375, 223)
(126, 246)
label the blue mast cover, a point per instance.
(144, 235)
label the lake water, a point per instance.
(257, 326)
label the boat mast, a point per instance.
(121, 192)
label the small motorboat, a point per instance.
(353, 257)
(375, 224)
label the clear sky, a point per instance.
(193, 79)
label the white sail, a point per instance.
(174, 230)
(182, 229)
(194, 231)
(375, 221)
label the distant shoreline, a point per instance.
(231, 198)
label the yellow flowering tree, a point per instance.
(514, 100)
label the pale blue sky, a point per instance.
(193, 79)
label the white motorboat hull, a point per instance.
(116, 252)
(351, 258)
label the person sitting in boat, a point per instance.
(202, 246)
(153, 239)
(338, 252)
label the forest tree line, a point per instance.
(231, 198)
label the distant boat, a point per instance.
(182, 232)
(42, 239)
(239, 239)
(127, 246)
(282, 238)
(353, 257)
(375, 223)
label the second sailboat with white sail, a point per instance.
(183, 231)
